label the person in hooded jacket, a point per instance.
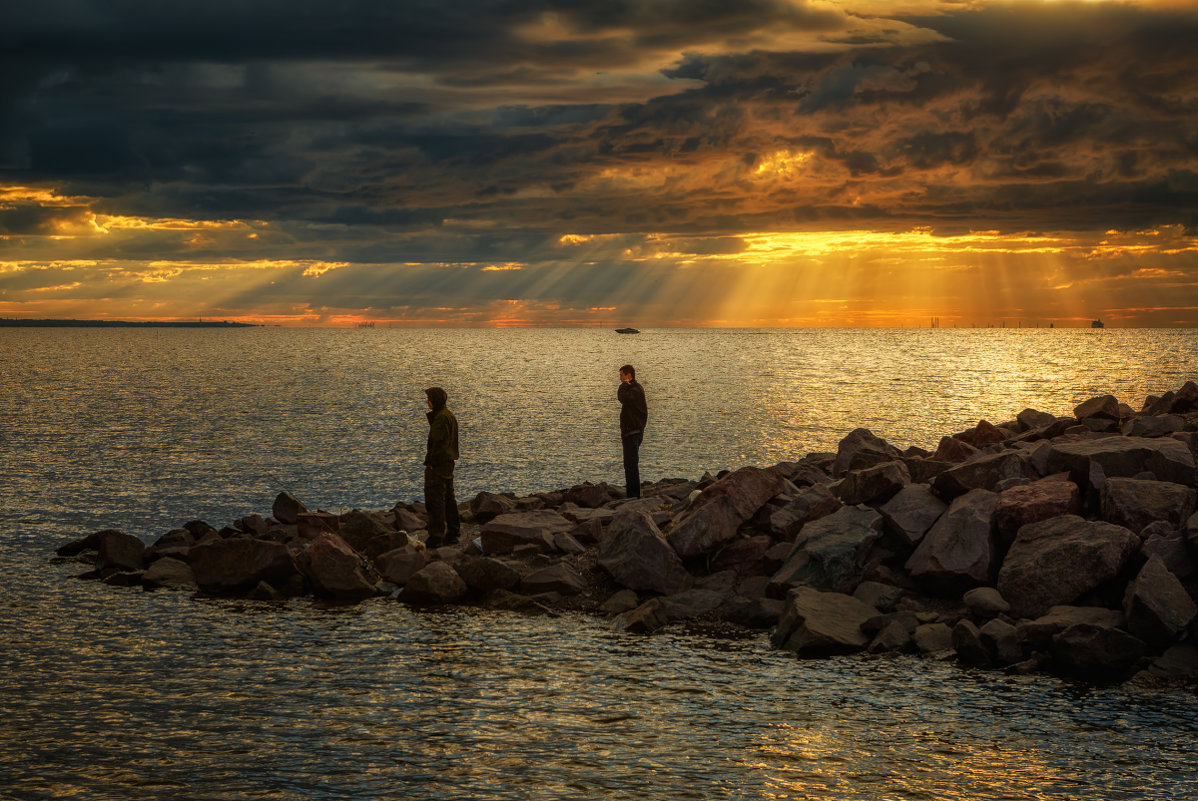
(634, 413)
(444, 525)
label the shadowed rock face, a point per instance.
(338, 571)
(714, 517)
(1136, 503)
(235, 565)
(958, 552)
(829, 553)
(637, 556)
(1157, 606)
(1126, 457)
(815, 623)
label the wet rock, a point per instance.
(954, 450)
(637, 555)
(119, 551)
(1057, 561)
(860, 449)
(986, 603)
(690, 603)
(263, 591)
(895, 637)
(621, 601)
(560, 578)
(1031, 503)
(1157, 606)
(754, 612)
(287, 508)
(510, 531)
(234, 566)
(958, 551)
(911, 512)
(1123, 457)
(399, 565)
(435, 584)
(984, 471)
(484, 574)
(829, 553)
(1032, 418)
(967, 642)
(1104, 407)
(815, 623)
(1178, 665)
(1040, 632)
(508, 601)
(933, 639)
(1096, 652)
(171, 573)
(873, 484)
(338, 571)
(1134, 503)
(883, 597)
(645, 619)
(807, 505)
(714, 517)
(1003, 641)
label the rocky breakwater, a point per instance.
(1046, 543)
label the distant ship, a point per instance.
(1097, 324)
(627, 331)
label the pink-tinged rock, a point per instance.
(873, 484)
(815, 623)
(489, 505)
(169, 572)
(537, 528)
(1135, 503)
(237, 565)
(588, 495)
(747, 557)
(408, 520)
(1125, 457)
(637, 556)
(560, 577)
(437, 583)
(1030, 419)
(1155, 426)
(338, 571)
(714, 516)
(1056, 561)
(958, 552)
(810, 503)
(984, 433)
(483, 574)
(952, 449)
(1030, 503)
(287, 508)
(359, 527)
(859, 449)
(984, 472)
(399, 565)
(1157, 606)
(310, 524)
(910, 513)
(1104, 407)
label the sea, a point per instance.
(115, 693)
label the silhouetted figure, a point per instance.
(444, 525)
(633, 415)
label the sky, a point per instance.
(788, 163)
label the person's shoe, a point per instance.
(452, 539)
(434, 542)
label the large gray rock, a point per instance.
(984, 471)
(859, 449)
(815, 623)
(1030, 503)
(338, 571)
(958, 551)
(1135, 503)
(829, 552)
(1125, 457)
(910, 513)
(637, 555)
(1056, 561)
(873, 484)
(810, 503)
(536, 528)
(1157, 606)
(713, 518)
(436, 584)
(1096, 652)
(237, 565)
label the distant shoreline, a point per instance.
(19, 323)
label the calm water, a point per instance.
(119, 694)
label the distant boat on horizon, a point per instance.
(1097, 324)
(627, 331)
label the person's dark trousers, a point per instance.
(632, 464)
(444, 525)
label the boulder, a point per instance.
(1056, 561)
(967, 642)
(1030, 503)
(895, 637)
(620, 601)
(1168, 545)
(338, 571)
(645, 619)
(1123, 457)
(984, 471)
(309, 524)
(829, 554)
(815, 623)
(924, 471)
(933, 639)
(286, 508)
(1096, 652)
(234, 566)
(754, 613)
(691, 603)
(1134, 503)
(958, 551)
(859, 449)
(637, 556)
(1157, 606)
(1178, 665)
(435, 584)
(399, 565)
(873, 484)
(1032, 418)
(747, 557)
(1163, 425)
(1003, 641)
(588, 495)
(714, 517)
(984, 433)
(1041, 631)
(883, 597)
(986, 603)
(954, 450)
(484, 575)
(559, 577)
(167, 572)
(115, 550)
(509, 531)
(358, 528)
(383, 543)
(911, 512)
(1104, 407)
(810, 503)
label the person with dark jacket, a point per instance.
(444, 525)
(634, 413)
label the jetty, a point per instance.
(1060, 544)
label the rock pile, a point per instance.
(1065, 544)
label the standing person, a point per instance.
(444, 525)
(633, 415)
